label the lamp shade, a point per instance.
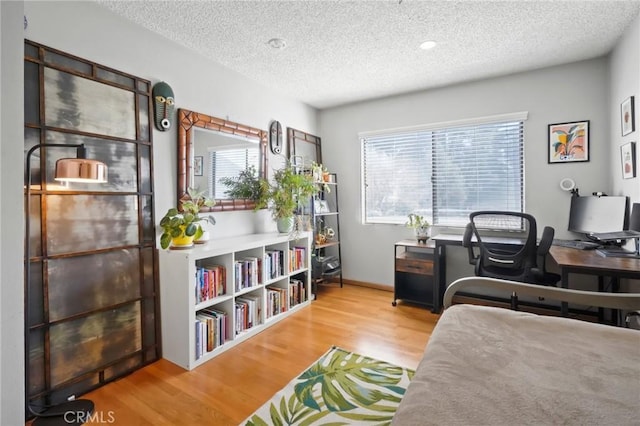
(80, 170)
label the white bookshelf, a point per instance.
(179, 306)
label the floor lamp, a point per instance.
(79, 169)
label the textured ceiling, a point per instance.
(339, 52)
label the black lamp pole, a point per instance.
(73, 412)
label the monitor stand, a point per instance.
(609, 251)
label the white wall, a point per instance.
(577, 91)
(198, 84)
(624, 81)
(89, 31)
(11, 218)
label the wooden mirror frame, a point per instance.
(296, 139)
(187, 120)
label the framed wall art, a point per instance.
(197, 165)
(321, 206)
(627, 116)
(568, 142)
(628, 158)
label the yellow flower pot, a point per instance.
(182, 241)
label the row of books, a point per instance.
(211, 330)
(273, 264)
(211, 324)
(276, 301)
(246, 273)
(211, 281)
(281, 299)
(297, 258)
(247, 312)
(297, 292)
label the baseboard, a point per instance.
(367, 284)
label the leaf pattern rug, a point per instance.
(341, 388)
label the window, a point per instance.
(228, 164)
(444, 171)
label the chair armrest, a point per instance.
(466, 242)
(545, 242)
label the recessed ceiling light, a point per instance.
(430, 44)
(277, 43)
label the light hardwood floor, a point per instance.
(230, 387)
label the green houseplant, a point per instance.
(321, 175)
(182, 228)
(283, 194)
(247, 185)
(420, 226)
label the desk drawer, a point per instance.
(415, 266)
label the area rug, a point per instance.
(340, 388)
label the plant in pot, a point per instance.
(321, 175)
(247, 185)
(420, 226)
(181, 229)
(284, 193)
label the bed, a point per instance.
(494, 366)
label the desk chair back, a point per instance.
(524, 263)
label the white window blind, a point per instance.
(228, 164)
(444, 173)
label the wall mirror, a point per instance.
(304, 145)
(210, 148)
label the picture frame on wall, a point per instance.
(628, 159)
(568, 142)
(198, 165)
(627, 116)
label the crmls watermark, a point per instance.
(98, 417)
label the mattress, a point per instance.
(493, 366)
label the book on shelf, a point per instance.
(246, 273)
(273, 264)
(248, 310)
(297, 292)
(297, 258)
(276, 301)
(198, 325)
(214, 323)
(202, 336)
(208, 323)
(210, 282)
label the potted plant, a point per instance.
(247, 185)
(181, 229)
(284, 193)
(321, 175)
(420, 226)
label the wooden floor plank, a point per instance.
(227, 389)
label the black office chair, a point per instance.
(523, 263)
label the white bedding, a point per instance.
(493, 366)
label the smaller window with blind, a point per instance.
(444, 171)
(229, 163)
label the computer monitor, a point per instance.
(593, 214)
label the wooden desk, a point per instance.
(589, 262)
(570, 260)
